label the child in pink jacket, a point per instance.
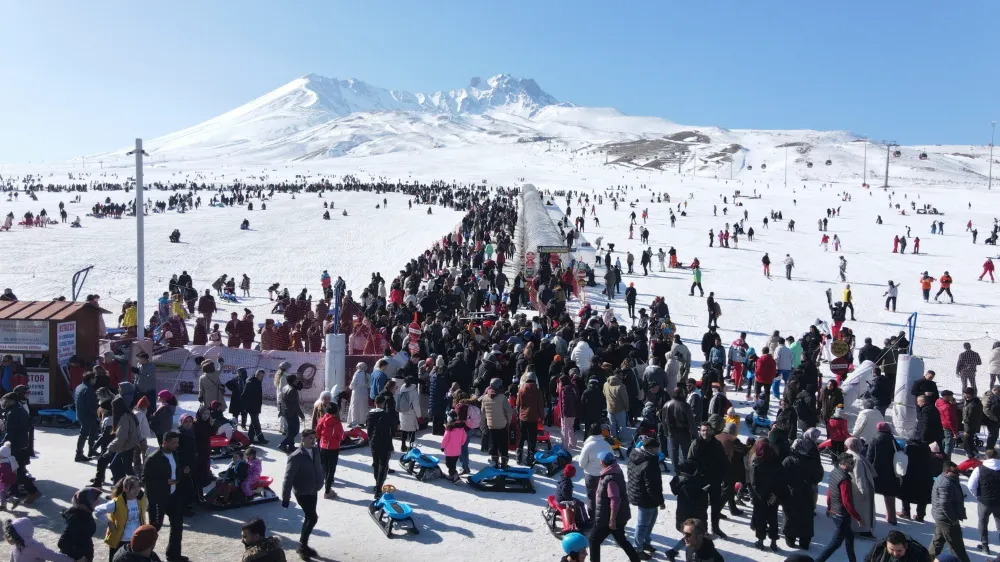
(451, 444)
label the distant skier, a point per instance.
(789, 264)
(662, 256)
(916, 245)
(843, 269)
(987, 268)
(825, 242)
(890, 295)
(945, 287)
(895, 244)
(926, 281)
(766, 260)
(849, 301)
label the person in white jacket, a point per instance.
(590, 461)
(994, 363)
(359, 395)
(582, 355)
(987, 506)
(865, 425)
(783, 366)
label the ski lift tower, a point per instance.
(888, 148)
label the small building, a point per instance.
(43, 336)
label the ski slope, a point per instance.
(290, 243)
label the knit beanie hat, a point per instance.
(143, 403)
(569, 471)
(143, 538)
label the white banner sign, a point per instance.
(65, 342)
(24, 335)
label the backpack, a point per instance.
(718, 310)
(473, 417)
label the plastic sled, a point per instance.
(57, 417)
(389, 513)
(262, 493)
(616, 445)
(222, 448)
(424, 467)
(561, 519)
(492, 479)
(354, 437)
(553, 460)
(229, 298)
(757, 423)
(543, 436)
(968, 465)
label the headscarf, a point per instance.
(853, 444)
(86, 498)
(763, 451)
(812, 434)
(883, 427)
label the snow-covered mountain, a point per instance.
(314, 118)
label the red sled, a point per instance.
(222, 448)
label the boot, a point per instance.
(774, 545)
(80, 457)
(30, 499)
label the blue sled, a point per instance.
(503, 480)
(57, 417)
(424, 467)
(756, 423)
(553, 461)
(389, 513)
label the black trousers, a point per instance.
(765, 519)
(529, 435)
(88, 435)
(950, 533)
(498, 445)
(969, 444)
(380, 468)
(893, 301)
(850, 305)
(309, 516)
(172, 509)
(22, 458)
(591, 484)
(944, 290)
(599, 533)
(985, 512)
(697, 284)
(992, 430)
(631, 309)
(716, 503)
(329, 458)
(254, 430)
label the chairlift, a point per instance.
(923, 156)
(829, 162)
(897, 153)
(763, 166)
(809, 164)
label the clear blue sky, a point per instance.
(84, 77)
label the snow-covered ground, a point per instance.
(290, 244)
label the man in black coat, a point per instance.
(160, 475)
(645, 491)
(252, 399)
(928, 421)
(708, 341)
(381, 424)
(926, 387)
(17, 424)
(707, 451)
(304, 476)
(869, 352)
(85, 399)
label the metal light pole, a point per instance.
(864, 172)
(992, 135)
(139, 243)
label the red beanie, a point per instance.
(569, 471)
(143, 403)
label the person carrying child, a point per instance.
(454, 437)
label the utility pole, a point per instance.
(140, 248)
(101, 162)
(678, 154)
(786, 166)
(992, 135)
(730, 167)
(888, 148)
(864, 172)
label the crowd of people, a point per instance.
(634, 390)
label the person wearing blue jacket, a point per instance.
(378, 379)
(85, 399)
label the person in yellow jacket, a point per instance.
(849, 300)
(177, 307)
(129, 319)
(125, 513)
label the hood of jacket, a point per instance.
(24, 527)
(262, 548)
(613, 469)
(613, 380)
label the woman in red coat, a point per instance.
(330, 432)
(114, 369)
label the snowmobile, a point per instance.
(56, 417)
(564, 519)
(354, 437)
(554, 460)
(262, 493)
(424, 467)
(491, 479)
(387, 512)
(222, 448)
